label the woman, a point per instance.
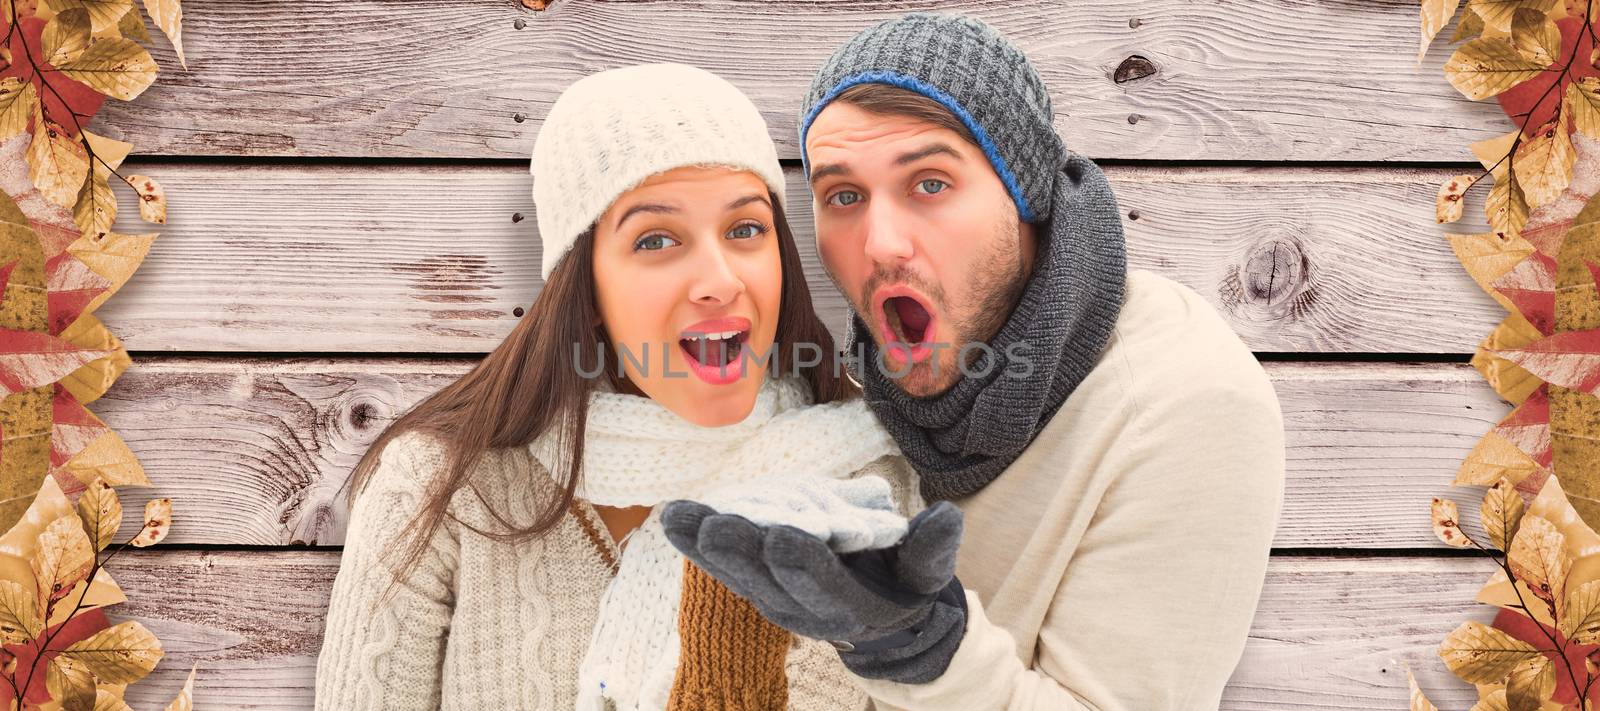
(503, 550)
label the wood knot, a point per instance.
(1274, 271)
(1134, 67)
(361, 415)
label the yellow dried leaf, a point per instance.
(107, 456)
(114, 258)
(1583, 614)
(1539, 558)
(1507, 205)
(1582, 100)
(102, 13)
(1495, 701)
(1535, 35)
(62, 558)
(110, 151)
(107, 701)
(1488, 66)
(1451, 197)
(93, 379)
(1490, 151)
(116, 67)
(1471, 25)
(1487, 256)
(70, 683)
(57, 163)
(101, 513)
(1446, 523)
(95, 208)
(1499, 13)
(66, 36)
(1435, 15)
(152, 199)
(132, 27)
(1419, 702)
(21, 619)
(1502, 510)
(168, 16)
(185, 699)
(157, 522)
(19, 100)
(1481, 654)
(1544, 162)
(121, 654)
(1511, 381)
(1531, 683)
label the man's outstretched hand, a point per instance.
(895, 613)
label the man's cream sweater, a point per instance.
(486, 625)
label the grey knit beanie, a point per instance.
(976, 74)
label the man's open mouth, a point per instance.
(908, 319)
(715, 349)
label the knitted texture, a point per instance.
(963, 438)
(975, 73)
(732, 656)
(481, 624)
(610, 130)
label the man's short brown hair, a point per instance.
(895, 101)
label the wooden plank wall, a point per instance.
(351, 228)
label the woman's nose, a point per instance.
(714, 281)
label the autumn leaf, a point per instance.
(1471, 25)
(96, 207)
(63, 557)
(118, 68)
(107, 701)
(1507, 205)
(66, 36)
(18, 102)
(1582, 101)
(1539, 558)
(1487, 66)
(1419, 702)
(1499, 13)
(168, 16)
(185, 699)
(21, 619)
(1502, 510)
(71, 683)
(104, 13)
(1582, 622)
(1435, 15)
(132, 27)
(1495, 701)
(157, 522)
(1535, 35)
(101, 513)
(1544, 162)
(152, 199)
(1449, 203)
(1481, 654)
(122, 654)
(30, 359)
(1446, 523)
(57, 163)
(1570, 359)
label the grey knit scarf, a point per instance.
(962, 439)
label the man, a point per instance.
(1103, 456)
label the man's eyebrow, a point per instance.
(929, 150)
(828, 170)
(746, 200)
(646, 207)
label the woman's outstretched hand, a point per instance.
(895, 612)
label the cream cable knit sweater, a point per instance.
(486, 625)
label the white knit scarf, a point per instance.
(639, 453)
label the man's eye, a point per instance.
(653, 242)
(932, 185)
(747, 230)
(844, 198)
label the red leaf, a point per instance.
(1538, 634)
(1570, 359)
(81, 627)
(1528, 427)
(72, 285)
(82, 99)
(29, 360)
(1519, 99)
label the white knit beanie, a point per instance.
(609, 131)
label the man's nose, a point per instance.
(888, 241)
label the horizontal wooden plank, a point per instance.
(255, 451)
(433, 259)
(1272, 80)
(1327, 631)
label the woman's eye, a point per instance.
(653, 242)
(844, 198)
(932, 186)
(747, 230)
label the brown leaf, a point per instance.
(1535, 35)
(185, 698)
(1531, 683)
(1582, 622)
(21, 619)
(63, 557)
(132, 27)
(19, 100)
(1502, 511)
(1539, 558)
(66, 36)
(1495, 701)
(1507, 205)
(1471, 25)
(118, 68)
(1499, 13)
(1544, 162)
(1446, 523)
(1435, 15)
(95, 208)
(157, 522)
(71, 683)
(152, 199)
(121, 654)
(1487, 66)
(168, 16)
(1451, 193)
(1582, 100)
(1481, 654)
(107, 701)
(101, 513)
(102, 13)
(1491, 459)
(57, 163)
(1419, 702)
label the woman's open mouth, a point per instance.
(713, 349)
(907, 323)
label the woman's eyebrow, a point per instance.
(746, 200)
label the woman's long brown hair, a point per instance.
(525, 385)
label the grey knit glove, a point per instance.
(895, 613)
